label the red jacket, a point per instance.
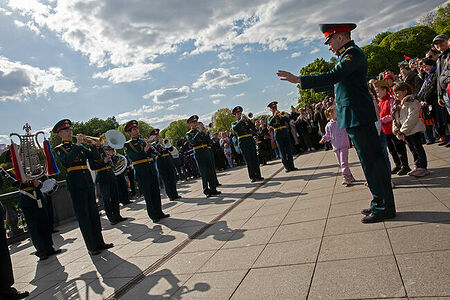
(385, 104)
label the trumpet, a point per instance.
(91, 140)
(282, 113)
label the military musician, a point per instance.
(142, 157)
(198, 138)
(165, 165)
(79, 183)
(279, 124)
(245, 129)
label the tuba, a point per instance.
(120, 164)
(167, 143)
(115, 139)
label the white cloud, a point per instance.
(4, 139)
(128, 74)
(18, 23)
(216, 96)
(315, 50)
(19, 81)
(169, 95)
(225, 55)
(216, 101)
(219, 77)
(120, 34)
(164, 119)
(296, 54)
(173, 106)
(138, 113)
(240, 95)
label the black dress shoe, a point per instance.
(219, 184)
(12, 293)
(209, 195)
(156, 220)
(373, 218)
(164, 216)
(254, 180)
(288, 170)
(294, 169)
(106, 246)
(216, 192)
(175, 198)
(95, 252)
(55, 252)
(396, 169)
(260, 179)
(366, 211)
(113, 222)
(403, 171)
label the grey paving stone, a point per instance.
(289, 253)
(357, 278)
(232, 259)
(187, 263)
(426, 274)
(347, 208)
(158, 286)
(355, 245)
(349, 224)
(432, 236)
(307, 214)
(252, 237)
(298, 231)
(284, 282)
(215, 285)
(352, 196)
(434, 212)
(262, 222)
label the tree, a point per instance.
(318, 66)
(441, 23)
(427, 19)
(222, 119)
(176, 130)
(379, 37)
(380, 59)
(412, 41)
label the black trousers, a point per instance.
(414, 142)
(397, 148)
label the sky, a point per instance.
(161, 61)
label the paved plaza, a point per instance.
(297, 235)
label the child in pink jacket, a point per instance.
(340, 142)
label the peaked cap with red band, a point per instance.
(192, 118)
(272, 104)
(330, 29)
(154, 131)
(131, 124)
(236, 109)
(63, 124)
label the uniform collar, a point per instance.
(346, 47)
(67, 143)
(135, 138)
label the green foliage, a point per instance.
(441, 23)
(318, 66)
(176, 130)
(222, 119)
(379, 37)
(412, 41)
(380, 59)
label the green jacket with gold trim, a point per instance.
(354, 105)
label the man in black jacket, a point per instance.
(428, 98)
(440, 42)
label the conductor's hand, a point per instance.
(288, 76)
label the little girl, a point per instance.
(407, 125)
(340, 142)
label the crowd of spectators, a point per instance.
(425, 82)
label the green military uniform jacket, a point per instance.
(134, 149)
(72, 157)
(354, 105)
(244, 128)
